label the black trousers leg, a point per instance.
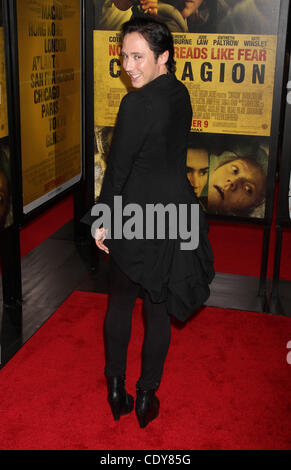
(117, 326)
(156, 343)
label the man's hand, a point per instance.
(150, 5)
(100, 236)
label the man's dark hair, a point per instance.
(157, 35)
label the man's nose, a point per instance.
(195, 180)
(127, 64)
(230, 185)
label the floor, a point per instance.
(57, 267)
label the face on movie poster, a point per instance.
(228, 173)
(102, 142)
(6, 217)
(225, 52)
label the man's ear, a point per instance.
(163, 58)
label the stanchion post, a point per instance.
(80, 207)
(277, 260)
(11, 267)
(264, 263)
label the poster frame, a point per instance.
(12, 138)
(277, 115)
(275, 119)
(10, 236)
(283, 218)
(14, 76)
(275, 126)
(278, 106)
(274, 138)
(88, 101)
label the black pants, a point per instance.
(123, 294)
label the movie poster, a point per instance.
(49, 55)
(6, 215)
(283, 214)
(225, 52)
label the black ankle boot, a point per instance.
(147, 406)
(120, 401)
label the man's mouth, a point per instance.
(134, 76)
(220, 191)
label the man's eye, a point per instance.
(204, 172)
(189, 169)
(248, 189)
(137, 57)
(235, 169)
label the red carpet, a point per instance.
(227, 384)
(47, 223)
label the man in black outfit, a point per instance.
(147, 165)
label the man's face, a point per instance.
(4, 199)
(235, 186)
(139, 60)
(197, 169)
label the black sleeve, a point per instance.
(132, 128)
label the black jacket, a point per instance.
(147, 165)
